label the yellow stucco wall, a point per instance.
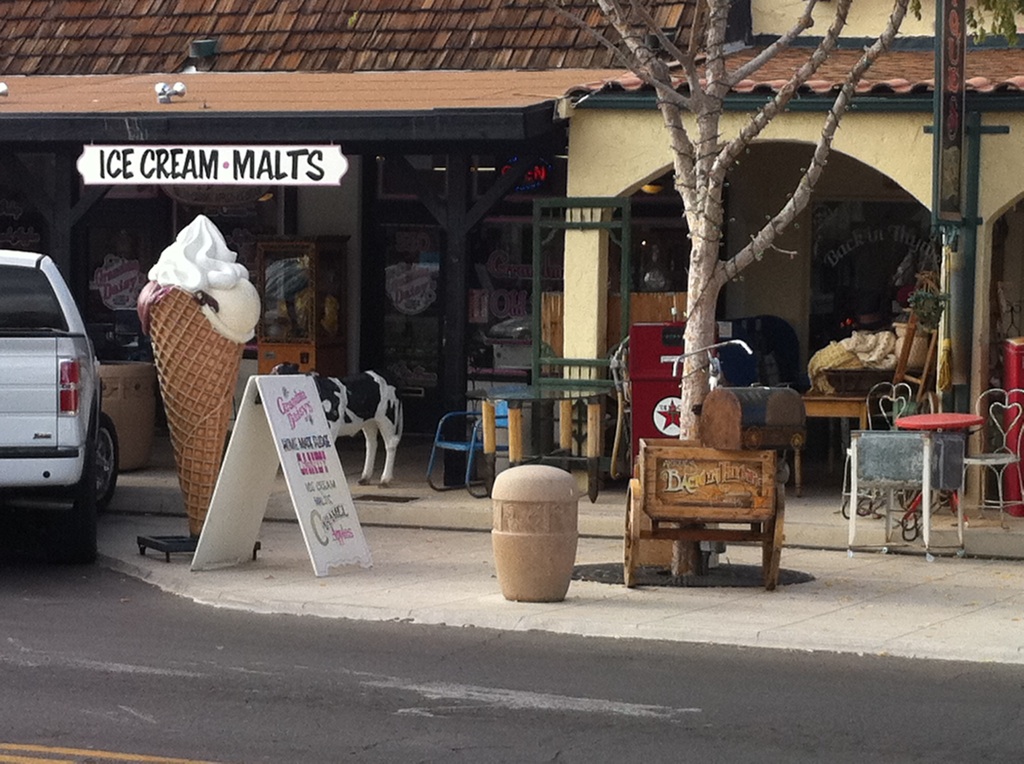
(1001, 188)
(612, 153)
(1002, 164)
(866, 17)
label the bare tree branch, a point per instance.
(646, 64)
(803, 23)
(638, 57)
(765, 237)
(774, 107)
(715, 79)
(622, 57)
(667, 44)
(671, 103)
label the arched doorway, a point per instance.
(1005, 283)
(847, 260)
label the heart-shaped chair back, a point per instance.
(1005, 416)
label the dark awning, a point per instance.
(355, 108)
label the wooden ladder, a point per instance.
(901, 374)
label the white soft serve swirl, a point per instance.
(199, 260)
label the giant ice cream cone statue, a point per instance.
(197, 368)
(199, 309)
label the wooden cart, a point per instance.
(687, 492)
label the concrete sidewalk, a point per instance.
(433, 564)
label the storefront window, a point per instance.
(129, 229)
(119, 258)
(662, 254)
(412, 314)
(21, 227)
(126, 232)
(394, 181)
(661, 248)
(243, 216)
(866, 256)
(500, 298)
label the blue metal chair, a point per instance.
(472, 427)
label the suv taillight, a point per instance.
(70, 376)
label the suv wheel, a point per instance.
(107, 454)
(74, 540)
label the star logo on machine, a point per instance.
(667, 415)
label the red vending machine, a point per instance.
(1013, 377)
(656, 404)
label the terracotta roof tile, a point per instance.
(895, 73)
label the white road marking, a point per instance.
(138, 715)
(25, 656)
(528, 701)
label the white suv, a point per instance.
(55, 442)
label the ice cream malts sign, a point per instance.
(210, 165)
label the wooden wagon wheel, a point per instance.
(631, 543)
(771, 549)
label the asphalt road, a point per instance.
(91, 660)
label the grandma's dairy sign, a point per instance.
(212, 165)
(118, 282)
(280, 422)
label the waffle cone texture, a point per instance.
(198, 369)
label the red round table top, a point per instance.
(945, 421)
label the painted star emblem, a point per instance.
(672, 415)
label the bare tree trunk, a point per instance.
(702, 159)
(700, 328)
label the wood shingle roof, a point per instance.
(80, 37)
(478, 53)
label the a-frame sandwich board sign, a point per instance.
(281, 422)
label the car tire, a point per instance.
(107, 454)
(74, 540)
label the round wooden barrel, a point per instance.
(737, 418)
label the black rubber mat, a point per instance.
(724, 575)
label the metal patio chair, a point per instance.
(1002, 433)
(469, 441)
(886, 402)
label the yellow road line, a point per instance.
(30, 760)
(6, 749)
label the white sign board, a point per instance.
(212, 165)
(281, 421)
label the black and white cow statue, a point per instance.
(360, 402)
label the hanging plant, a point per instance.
(928, 307)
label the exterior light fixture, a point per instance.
(3, 89)
(165, 91)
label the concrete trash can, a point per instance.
(129, 399)
(536, 508)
